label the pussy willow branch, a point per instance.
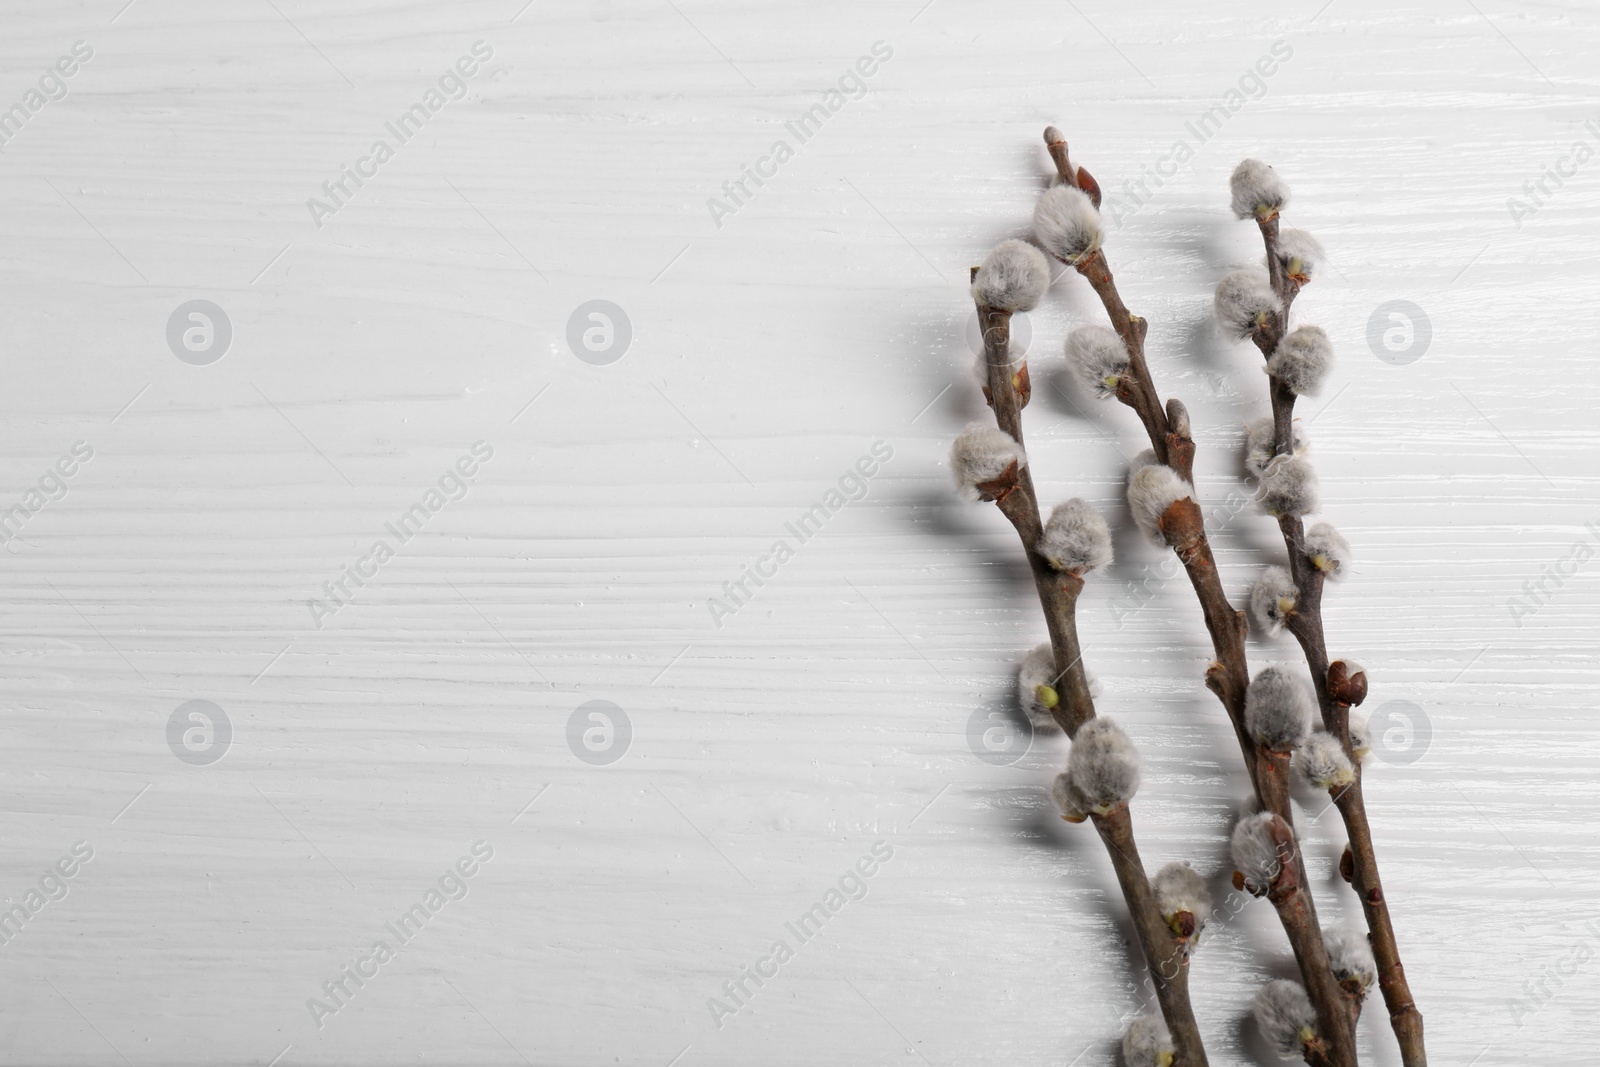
(1290, 894)
(1166, 957)
(1305, 622)
(1229, 676)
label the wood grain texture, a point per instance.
(768, 354)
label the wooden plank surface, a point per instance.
(376, 340)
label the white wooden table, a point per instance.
(368, 742)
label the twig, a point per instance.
(1291, 896)
(1166, 957)
(1229, 675)
(1305, 623)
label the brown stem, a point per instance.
(1165, 956)
(1058, 592)
(1058, 595)
(1404, 1017)
(1055, 143)
(1305, 623)
(1298, 914)
(1132, 329)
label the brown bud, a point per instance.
(1183, 924)
(1178, 417)
(1020, 383)
(1184, 527)
(1238, 880)
(997, 489)
(1288, 879)
(1125, 393)
(1346, 687)
(1347, 865)
(1087, 183)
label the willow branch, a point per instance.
(1165, 955)
(1229, 675)
(1305, 623)
(1291, 896)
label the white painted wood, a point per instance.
(768, 354)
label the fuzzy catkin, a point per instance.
(1013, 277)
(1350, 955)
(1288, 487)
(1103, 765)
(1151, 491)
(1302, 359)
(1277, 709)
(1272, 598)
(1255, 851)
(1244, 301)
(1068, 798)
(1300, 255)
(1285, 1016)
(1260, 443)
(1258, 191)
(1067, 223)
(1147, 1043)
(981, 454)
(1076, 538)
(1327, 550)
(1360, 736)
(1323, 762)
(1097, 358)
(1036, 691)
(1177, 888)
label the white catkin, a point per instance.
(1244, 300)
(981, 454)
(1147, 1043)
(1350, 954)
(1013, 277)
(1068, 798)
(1285, 1016)
(1277, 709)
(1179, 887)
(1145, 458)
(1258, 191)
(1038, 670)
(1300, 254)
(1103, 765)
(1360, 734)
(1288, 487)
(1067, 223)
(1328, 551)
(1076, 538)
(1260, 443)
(1097, 358)
(1272, 598)
(1302, 360)
(1255, 851)
(1151, 491)
(1323, 761)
